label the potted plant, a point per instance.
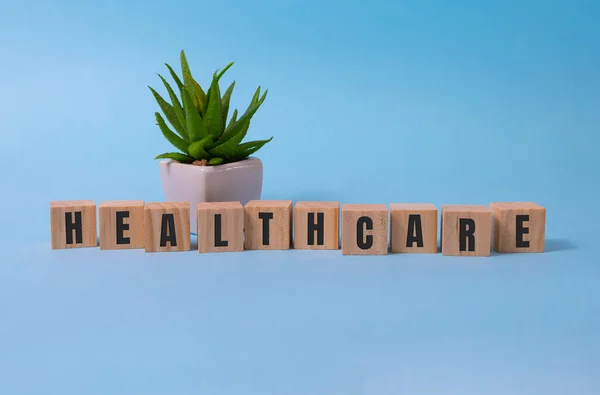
(212, 163)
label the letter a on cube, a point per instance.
(167, 227)
(413, 228)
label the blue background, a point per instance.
(369, 102)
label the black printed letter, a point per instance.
(318, 227)
(167, 231)
(466, 232)
(218, 233)
(521, 230)
(265, 218)
(122, 227)
(74, 226)
(415, 231)
(364, 223)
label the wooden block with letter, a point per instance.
(220, 227)
(466, 230)
(121, 224)
(167, 226)
(73, 224)
(317, 225)
(364, 229)
(268, 225)
(518, 227)
(413, 228)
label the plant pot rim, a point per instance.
(250, 161)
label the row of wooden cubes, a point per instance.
(466, 230)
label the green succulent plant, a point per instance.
(201, 130)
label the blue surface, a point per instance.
(395, 102)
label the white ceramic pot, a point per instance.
(232, 182)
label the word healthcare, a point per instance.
(466, 230)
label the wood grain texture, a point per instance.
(456, 229)
(412, 224)
(167, 227)
(73, 224)
(220, 227)
(278, 228)
(321, 229)
(121, 224)
(518, 227)
(364, 229)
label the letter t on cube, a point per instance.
(268, 225)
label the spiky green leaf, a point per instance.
(245, 150)
(188, 79)
(241, 133)
(213, 118)
(178, 156)
(174, 76)
(197, 150)
(170, 113)
(236, 127)
(251, 144)
(198, 95)
(233, 119)
(174, 139)
(219, 74)
(200, 98)
(225, 102)
(176, 107)
(194, 125)
(256, 95)
(227, 149)
(215, 161)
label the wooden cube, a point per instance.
(268, 225)
(364, 229)
(413, 228)
(121, 224)
(73, 224)
(220, 227)
(167, 226)
(518, 227)
(466, 230)
(317, 225)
